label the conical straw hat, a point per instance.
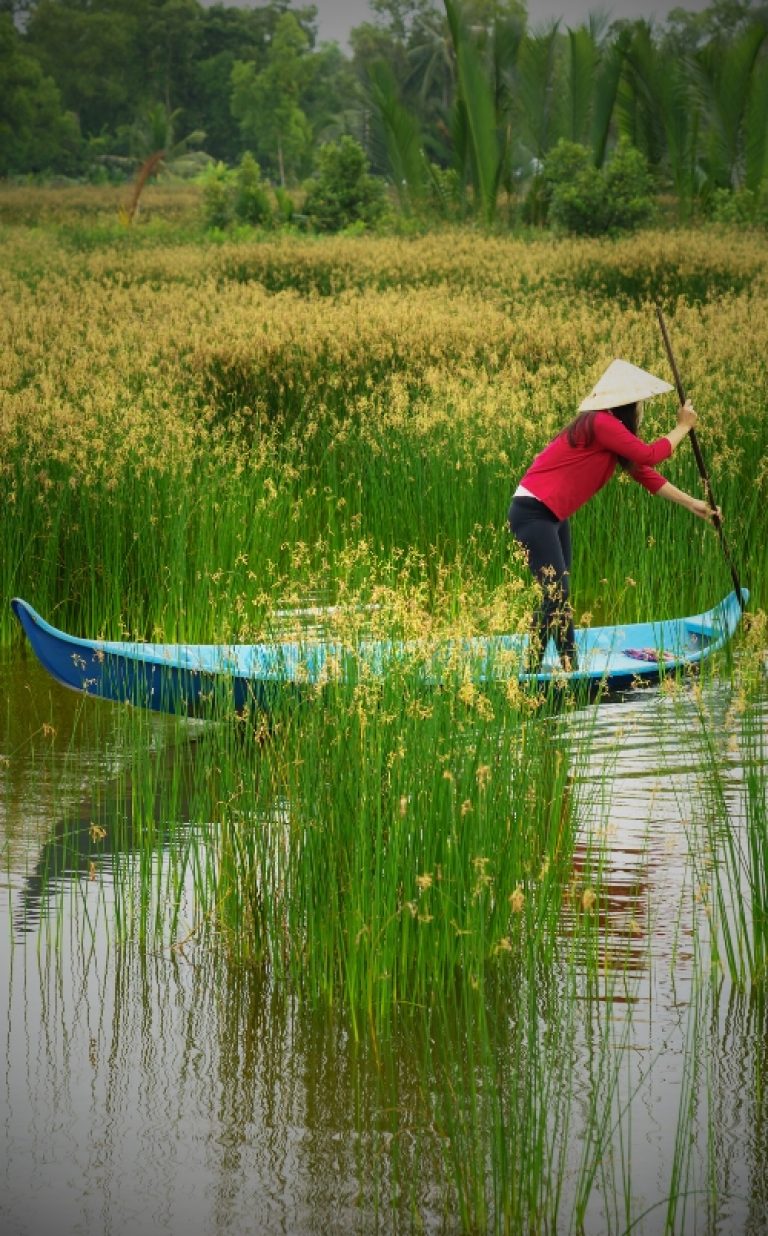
(623, 383)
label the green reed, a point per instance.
(395, 852)
(747, 723)
(502, 1100)
(328, 856)
(720, 725)
(207, 557)
(288, 451)
(385, 835)
(533, 1091)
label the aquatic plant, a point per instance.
(235, 441)
(188, 432)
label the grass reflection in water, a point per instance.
(351, 991)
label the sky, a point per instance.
(337, 17)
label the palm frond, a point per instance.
(481, 120)
(638, 100)
(508, 33)
(581, 81)
(536, 87)
(606, 91)
(403, 142)
(723, 75)
(756, 128)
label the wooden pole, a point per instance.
(716, 520)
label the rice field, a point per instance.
(435, 960)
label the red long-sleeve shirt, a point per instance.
(564, 477)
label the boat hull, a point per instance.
(171, 686)
(199, 679)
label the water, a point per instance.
(151, 1086)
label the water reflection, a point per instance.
(663, 781)
(235, 1109)
(151, 1089)
(71, 797)
(143, 1092)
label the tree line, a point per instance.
(459, 105)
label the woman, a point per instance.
(571, 470)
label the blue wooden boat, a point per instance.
(191, 678)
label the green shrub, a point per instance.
(739, 207)
(251, 200)
(217, 196)
(581, 198)
(628, 188)
(564, 164)
(236, 196)
(285, 205)
(343, 192)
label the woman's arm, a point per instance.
(695, 505)
(612, 434)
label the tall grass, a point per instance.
(182, 444)
(410, 860)
(721, 790)
(197, 441)
(389, 836)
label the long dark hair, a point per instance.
(581, 430)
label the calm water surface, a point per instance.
(158, 1089)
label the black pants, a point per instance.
(547, 542)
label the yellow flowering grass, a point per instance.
(179, 439)
(219, 441)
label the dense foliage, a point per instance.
(579, 197)
(457, 104)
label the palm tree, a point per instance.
(607, 83)
(402, 136)
(431, 59)
(585, 52)
(583, 57)
(155, 147)
(659, 112)
(756, 127)
(638, 104)
(479, 146)
(537, 94)
(733, 96)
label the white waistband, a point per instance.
(522, 492)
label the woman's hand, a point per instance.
(697, 506)
(687, 415)
(704, 511)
